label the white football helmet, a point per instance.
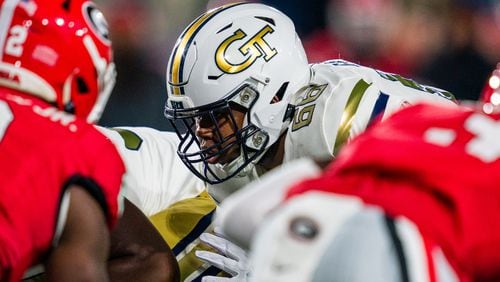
(243, 53)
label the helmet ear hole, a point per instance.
(280, 93)
(81, 85)
(69, 107)
(65, 5)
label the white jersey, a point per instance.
(341, 101)
(156, 177)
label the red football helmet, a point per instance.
(59, 51)
(490, 95)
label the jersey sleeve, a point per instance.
(343, 100)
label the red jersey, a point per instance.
(43, 151)
(437, 166)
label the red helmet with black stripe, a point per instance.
(58, 51)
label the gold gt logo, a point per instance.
(254, 48)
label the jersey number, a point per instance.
(6, 118)
(14, 44)
(304, 114)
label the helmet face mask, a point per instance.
(236, 145)
(60, 52)
(247, 54)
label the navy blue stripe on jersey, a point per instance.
(379, 107)
(200, 227)
(211, 271)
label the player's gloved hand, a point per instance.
(230, 258)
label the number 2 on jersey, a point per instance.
(15, 41)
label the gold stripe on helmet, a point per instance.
(184, 42)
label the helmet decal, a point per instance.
(254, 48)
(97, 21)
(182, 46)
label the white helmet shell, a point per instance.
(230, 44)
(235, 45)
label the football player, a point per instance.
(240, 91)
(242, 94)
(61, 178)
(411, 199)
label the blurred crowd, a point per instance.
(452, 44)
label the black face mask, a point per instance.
(191, 151)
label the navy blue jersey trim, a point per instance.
(379, 107)
(200, 227)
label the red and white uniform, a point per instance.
(43, 151)
(436, 166)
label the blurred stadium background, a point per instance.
(451, 44)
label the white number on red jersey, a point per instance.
(15, 41)
(484, 145)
